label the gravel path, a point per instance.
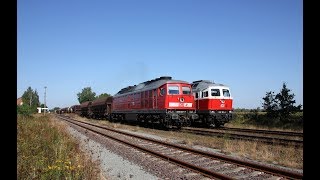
(112, 165)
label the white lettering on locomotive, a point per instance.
(176, 104)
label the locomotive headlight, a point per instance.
(182, 99)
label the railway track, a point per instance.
(265, 136)
(272, 132)
(285, 138)
(202, 163)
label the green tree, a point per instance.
(103, 95)
(31, 98)
(286, 102)
(270, 104)
(86, 95)
(42, 106)
(24, 110)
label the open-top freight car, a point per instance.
(63, 110)
(85, 108)
(101, 108)
(75, 109)
(161, 100)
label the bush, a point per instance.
(24, 110)
(293, 121)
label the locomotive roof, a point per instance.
(147, 85)
(203, 84)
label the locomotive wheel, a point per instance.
(217, 124)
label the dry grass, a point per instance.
(248, 126)
(45, 151)
(276, 154)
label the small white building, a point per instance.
(43, 109)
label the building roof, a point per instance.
(19, 101)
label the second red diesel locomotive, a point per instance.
(213, 103)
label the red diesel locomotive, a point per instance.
(213, 103)
(161, 100)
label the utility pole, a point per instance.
(44, 110)
(30, 99)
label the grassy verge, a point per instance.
(45, 151)
(259, 120)
(282, 155)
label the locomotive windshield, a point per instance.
(215, 92)
(186, 90)
(226, 93)
(173, 89)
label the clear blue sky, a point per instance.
(253, 46)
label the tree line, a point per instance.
(30, 99)
(87, 94)
(279, 105)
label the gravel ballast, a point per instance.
(112, 165)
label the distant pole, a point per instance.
(30, 98)
(44, 110)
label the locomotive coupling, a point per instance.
(174, 116)
(195, 116)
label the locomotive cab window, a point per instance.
(226, 93)
(215, 92)
(162, 91)
(173, 89)
(205, 94)
(186, 90)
